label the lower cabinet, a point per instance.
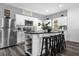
(32, 44)
(20, 37)
(28, 44)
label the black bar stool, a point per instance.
(58, 44)
(54, 45)
(63, 41)
(47, 43)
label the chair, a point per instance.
(47, 43)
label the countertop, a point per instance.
(43, 32)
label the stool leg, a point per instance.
(42, 46)
(46, 47)
(49, 46)
(61, 43)
(63, 39)
(64, 44)
(58, 45)
(54, 46)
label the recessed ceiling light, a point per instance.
(60, 6)
(46, 10)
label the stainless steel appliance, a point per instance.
(7, 33)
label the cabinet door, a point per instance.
(20, 19)
(28, 44)
(20, 37)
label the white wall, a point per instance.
(73, 24)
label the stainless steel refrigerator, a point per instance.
(7, 32)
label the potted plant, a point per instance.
(45, 27)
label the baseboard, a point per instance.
(72, 41)
(8, 46)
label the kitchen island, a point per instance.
(33, 41)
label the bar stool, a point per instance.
(54, 45)
(62, 44)
(47, 43)
(63, 41)
(58, 43)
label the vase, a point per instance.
(49, 30)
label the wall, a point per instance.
(73, 24)
(15, 10)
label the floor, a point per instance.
(13, 51)
(72, 49)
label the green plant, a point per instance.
(45, 26)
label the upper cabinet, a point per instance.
(22, 20)
(62, 20)
(59, 23)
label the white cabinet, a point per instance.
(20, 37)
(35, 48)
(61, 21)
(20, 19)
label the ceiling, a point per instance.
(45, 8)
